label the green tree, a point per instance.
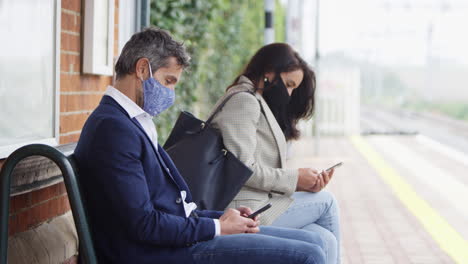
(221, 36)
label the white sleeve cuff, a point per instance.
(217, 227)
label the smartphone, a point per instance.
(259, 211)
(334, 166)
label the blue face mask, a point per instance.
(156, 96)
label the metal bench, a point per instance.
(66, 165)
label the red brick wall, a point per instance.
(30, 209)
(79, 95)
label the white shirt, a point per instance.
(146, 121)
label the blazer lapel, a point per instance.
(275, 128)
(109, 100)
(144, 133)
(158, 156)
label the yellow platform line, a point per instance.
(441, 231)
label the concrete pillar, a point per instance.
(269, 22)
(143, 14)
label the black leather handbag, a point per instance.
(213, 174)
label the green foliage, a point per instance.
(280, 22)
(187, 21)
(221, 36)
(457, 110)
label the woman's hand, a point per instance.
(310, 180)
(322, 180)
(307, 179)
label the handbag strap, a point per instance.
(221, 105)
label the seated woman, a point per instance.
(256, 125)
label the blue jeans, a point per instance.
(318, 213)
(272, 245)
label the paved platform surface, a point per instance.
(403, 199)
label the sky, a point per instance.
(392, 32)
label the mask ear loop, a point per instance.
(150, 70)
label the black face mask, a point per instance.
(277, 97)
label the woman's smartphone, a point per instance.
(259, 211)
(334, 166)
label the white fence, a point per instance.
(337, 109)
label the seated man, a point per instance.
(140, 209)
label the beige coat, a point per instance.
(257, 140)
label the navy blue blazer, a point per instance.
(132, 193)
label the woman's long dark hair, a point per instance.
(278, 58)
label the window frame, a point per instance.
(90, 63)
(6, 150)
(127, 27)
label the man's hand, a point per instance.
(232, 222)
(246, 211)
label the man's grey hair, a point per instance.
(152, 43)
